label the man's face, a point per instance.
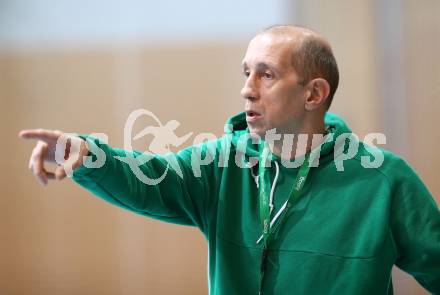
(274, 99)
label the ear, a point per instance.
(319, 90)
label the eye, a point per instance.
(246, 73)
(268, 75)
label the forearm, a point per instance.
(126, 180)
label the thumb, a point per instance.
(60, 173)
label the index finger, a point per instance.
(41, 134)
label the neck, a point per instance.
(303, 141)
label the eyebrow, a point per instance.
(261, 65)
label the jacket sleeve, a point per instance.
(161, 187)
(415, 224)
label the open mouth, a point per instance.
(252, 116)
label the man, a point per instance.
(295, 213)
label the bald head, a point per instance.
(296, 33)
(312, 56)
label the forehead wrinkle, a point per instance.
(275, 48)
(274, 60)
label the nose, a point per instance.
(249, 90)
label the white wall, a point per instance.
(48, 23)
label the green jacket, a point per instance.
(342, 236)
